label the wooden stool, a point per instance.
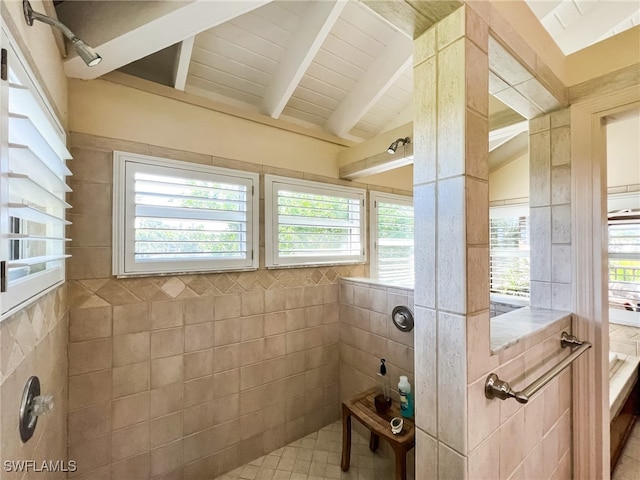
(364, 410)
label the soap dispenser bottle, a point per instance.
(406, 398)
(386, 388)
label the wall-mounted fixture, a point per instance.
(31, 407)
(398, 143)
(402, 318)
(88, 54)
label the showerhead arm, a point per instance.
(88, 54)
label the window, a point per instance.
(624, 253)
(177, 217)
(392, 238)
(32, 189)
(311, 223)
(509, 250)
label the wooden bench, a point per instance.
(363, 409)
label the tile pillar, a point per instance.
(451, 201)
(550, 210)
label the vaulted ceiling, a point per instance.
(333, 65)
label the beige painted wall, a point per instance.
(623, 151)
(510, 181)
(604, 57)
(38, 46)
(106, 109)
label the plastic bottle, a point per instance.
(386, 388)
(406, 398)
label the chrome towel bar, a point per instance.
(496, 388)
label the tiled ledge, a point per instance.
(377, 283)
(522, 324)
(508, 329)
(622, 377)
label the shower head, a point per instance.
(399, 142)
(88, 54)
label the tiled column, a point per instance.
(550, 210)
(451, 201)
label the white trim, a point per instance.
(272, 184)
(124, 263)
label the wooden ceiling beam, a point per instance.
(302, 49)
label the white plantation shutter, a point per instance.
(312, 223)
(392, 258)
(33, 189)
(509, 251)
(624, 260)
(175, 217)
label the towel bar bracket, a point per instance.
(496, 388)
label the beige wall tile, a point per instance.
(166, 314)
(511, 451)
(166, 458)
(484, 459)
(198, 445)
(88, 263)
(251, 376)
(274, 300)
(131, 348)
(227, 332)
(451, 463)
(89, 324)
(252, 327)
(132, 318)
(226, 383)
(90, 422)
(165, 371)
(91, 165)
(130, 379)
(127, 411)
(165, 343)
(91, 454)
(227, 306)
(199, 337)
(252, 352)
(129, 441)
(165, 429)
(133, 467)
(89, 356)
(89, 389)
(253, 303)
(198, 310)
(275, 323)
(199, 417)
(166, 400)
(452, 377)
(198, 364)
(226, 358)
(226, 408)
(199, 390)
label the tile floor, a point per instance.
(317, 457)
(628, 467)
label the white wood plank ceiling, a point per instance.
(333, 65)
(576, 24)
(329, 65)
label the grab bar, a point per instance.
(496, 388)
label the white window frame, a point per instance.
(617, 202)
(35, 106)
(273, 184)
(124, 264)
(374, 198)
(508, 211)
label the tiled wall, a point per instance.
(368, 334)
(192, 375)
(624, 339)
(498, 308)
(508, 440)
(34, 342)
(550, 210)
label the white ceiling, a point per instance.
(576, 24)
(331, 65)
